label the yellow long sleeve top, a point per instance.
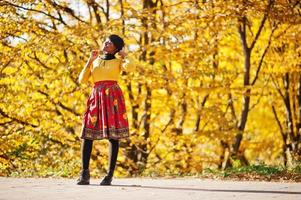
(101, 70)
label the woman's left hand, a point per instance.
(122, 54)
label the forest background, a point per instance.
(218, 84)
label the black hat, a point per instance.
(117, 41)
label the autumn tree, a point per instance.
(209, 74)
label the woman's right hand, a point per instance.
(94, 55)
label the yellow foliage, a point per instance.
(184, 102)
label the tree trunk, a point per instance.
(146, 126)
(122, 14)
(290, 142)
(246, 100)
(138, 152)
(183, 107)
(247, 50)
(284, 138)
(198, 119)
(289, 116)
(299, 122)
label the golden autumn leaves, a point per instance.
(183, 102)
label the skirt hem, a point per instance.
(91, 134)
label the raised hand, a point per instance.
(94, 55)
(122, 53)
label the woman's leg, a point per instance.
(113, 153)
(84, 178)
(86, 153)
(114, 147)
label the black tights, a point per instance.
(113, 153)
(86, 153)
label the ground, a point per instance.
(146, 189)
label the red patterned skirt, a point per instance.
(105, 117)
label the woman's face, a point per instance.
(109, 47)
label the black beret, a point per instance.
(117, 41)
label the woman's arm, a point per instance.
(86, 72)
(128, 63)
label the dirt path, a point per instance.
(145, 189)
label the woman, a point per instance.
(105, 116)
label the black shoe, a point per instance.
(106, 180)
(84, 178)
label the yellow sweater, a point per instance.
(101, 70)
